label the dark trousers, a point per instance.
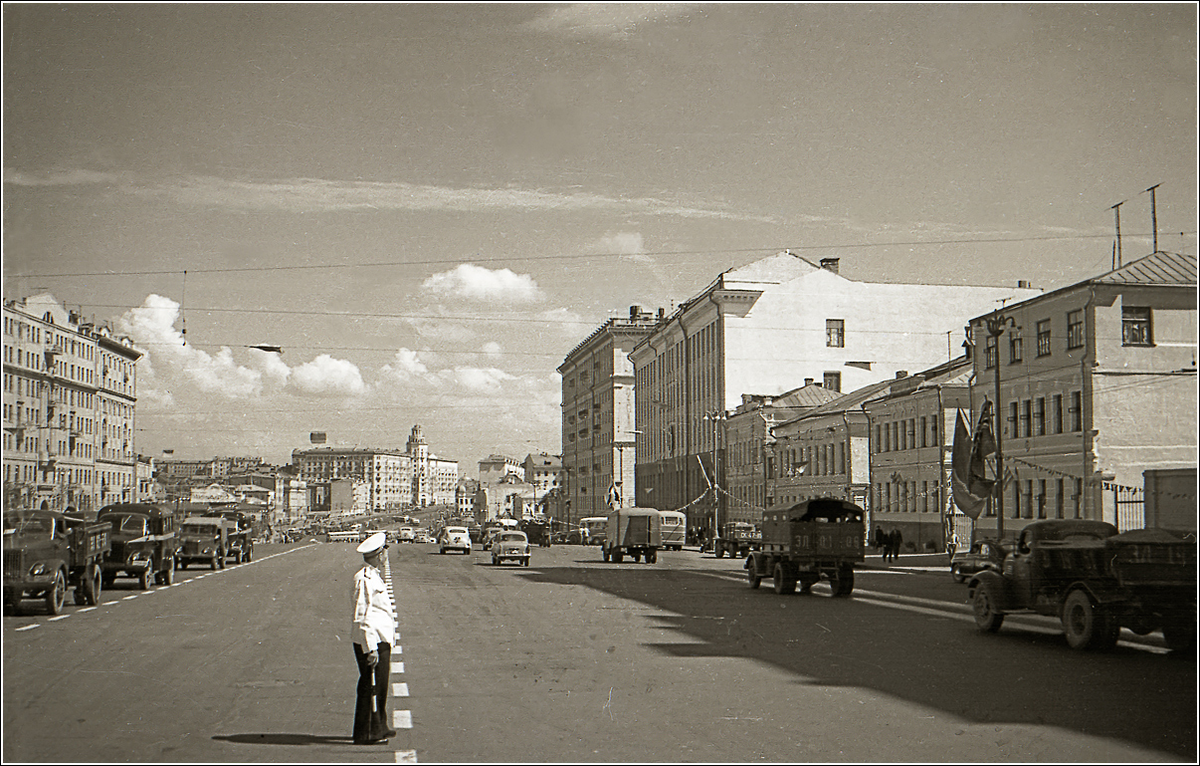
(371, 720)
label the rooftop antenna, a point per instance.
(1117, 247)
(182, 316)
(1154, 213)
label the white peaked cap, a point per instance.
(373, 543)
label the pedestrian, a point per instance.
(897, 541)
(374, 627)
(879, 540)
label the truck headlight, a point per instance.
(38, 570)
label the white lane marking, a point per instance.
(397, 667)
(399, 690)
(87, 609)
(406, 756)
(130, 597)
(397, 649)
(60, 617)
(402, 719)
(30, 627)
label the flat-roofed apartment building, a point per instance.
(387, 473)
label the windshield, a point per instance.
(512, 537)
(132, 525)
(199, 529)
(455, 531)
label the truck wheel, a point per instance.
(637, 557)
(144, 579)
(167, 576)
(604, 554)
(752, 574)
(221, 559)
(1086, 625)
(806, 584)
(720, 551)
(57, 594)
(89, 587)
(783, 584)
(249, 554)
(844, 583)
(618, 556)
(1180, 635)
(652, 557)
(987, 618)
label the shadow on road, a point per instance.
(1013, 677)
(279, 738)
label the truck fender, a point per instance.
(996, 582)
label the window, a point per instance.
(989, 354)
(1076, 411)
(1044, 337)
(1056, 417)
(835, 333)
(833, 381)
(1014, 348)
(1135, 326)
(1026, 417)
(1075, 329)
(1039, 417)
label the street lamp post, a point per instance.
(996, 325)
(716, 416)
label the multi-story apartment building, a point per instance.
(387, 474)
(762, 328)
(434, 479)
(544, 472)
(464, 497)
(825, 452)
(747, 440)
(495, 467)
(70, 395)
(1097, 384)
(912, 437)
(599, 435)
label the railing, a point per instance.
(1130, 505)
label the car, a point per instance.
(407, 535)
(455, 539)
(421, 536)
(983, 554)
(510, 545)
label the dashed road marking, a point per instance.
(402, 719)
(406, 756)
(399, 690)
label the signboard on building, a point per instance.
(317, 437)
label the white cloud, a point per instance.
(606, 20)
(491, 348)
(479, 284)
(480, 380)
(627, 244)
(326, 376)
(152, 327)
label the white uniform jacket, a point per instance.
(373, 620)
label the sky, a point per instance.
(427, 206)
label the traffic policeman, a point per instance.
(374, 627)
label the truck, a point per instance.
(1096, 580)
(143, 543)
(203, 539)
(737, 538)
(241, 536)
(537, 531)
(45, 552)
(821, 537)
(633, 531)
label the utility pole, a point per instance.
(1154, 213)
(1117, 210)
(996, 325)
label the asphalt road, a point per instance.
(575, 660)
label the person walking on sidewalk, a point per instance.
(897, 541)
(372, 632)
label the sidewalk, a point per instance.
(908, 560)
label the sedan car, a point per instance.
(983, 554)
(510, 545)
(455, 539)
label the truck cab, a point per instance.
(45, 552)
(143, 543)
(203, 539)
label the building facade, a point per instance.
(599, 432)
(912, 436)
(70, 396)
(544, 472)
(763, 327)
(387, 475)
(1097, 384)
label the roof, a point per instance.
(1158, 268)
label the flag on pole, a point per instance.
(968, 484)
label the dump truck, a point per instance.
(1096, 581)
(821, 537)
(632, 531)
(45, 552)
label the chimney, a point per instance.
(634, 312)
(808, 381)
(1023, 284)
(830, 264)
(901, 374)
(662, 313)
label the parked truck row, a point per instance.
(47, 552)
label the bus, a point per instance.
(674, 530)
(350, 536)
(595, 529)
